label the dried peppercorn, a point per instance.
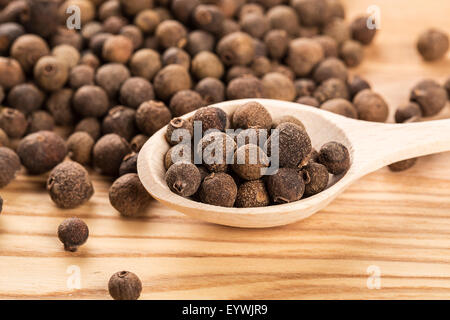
(25, 97)
(111, 76)
(403, 165)
(303, 55)
(285, 186)
(211, 118)
(183, 178)
(430, 95)
(285, 18)
(108, 153)
(371, 106)
(124, 285)
(171, 33)
(329, 45)
(340, 106)
(91, 29)
(114, 24)
(351, 52)
(330, 68)
(338, 29)
(212, 90)
(199, 40)
(312, 12)
(277, 42)
(134, 34)
(91, 126)
(331, 89)
(217, 151)
(178, 124)
(120, 120)
(236, 48)
(178, 153)
(207, 64)
(304, 87)
(9, 166)
(208, 17)
(252, 115)
(79, 147)
(316, 178)
(91, 101)
(229, 26)
(73, 232)
(90, 59)
(175, 55)
(252, 136)
(81, 75)
(117, 49)
(69, 185)
(129, 164)
(335, 157)
(170, 80)
(360, 31)
(287, 118)
(128, 196)
(145, 63)
(59, 104)
(147, 21)
(185, 101)
(11, 73)
(13, 122)
(68, 54)
(87, 10)
(255, 25)
(252, 194)
(66, 36)
(433, 44)
(245, 87)
(250, 162)
(28, 49)
(152, 116)
(40, 121)
(218, 189)
(409, 112)
(51, 73)
(356, 84)
(309, 101)
(136, 91)
(278, 86)
(108, 9)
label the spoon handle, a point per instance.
(378, 145)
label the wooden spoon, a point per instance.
(371, 146)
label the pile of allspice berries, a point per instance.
(131, 66)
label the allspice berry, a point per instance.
(69, 185)
(283, 17)
(138, 142)
(108, 153)
(120, 120)
(371, 106)
(312, 12)
(136, 91)
(9, 32)
(335, 157)
(409, 112)
(217, 151)
(91, 101)
(340, 106)
(212, 90)
(236, 48)
(218, 189)
(25, 97)
(4, 139)
(51, 73)
(111, 76)
(329, 45)
(178, 124)
(316, 178)
(303, 55)
(152, 116)
(185, 101)
(360, 31)
(11, 73)
(278, 86)
(176, 55)
(255, 25)
(333, 88)
(81, 75)
(91, 126)
(128, 196)
(68, 54)
(73, 232)
(147, 21)
(9, 166)
(171, 33)
(330, 68)
(134, 34)
(308, 101)
(40, 121)
(117, 49)
(277, 42)
(179, 153)
(433, 44)
(304, 87)
(245, 87)
(183, 178)
(41, 151)
(211, 118)
(145, 63)
(13, 122)
(285, 186)
(28, 49)
(79, 147)
(287, 118)
(431, 97)
(250, 162)
(357, 84)
(59, 104)
(170, 80)
(252, 115)
(124, 285)
(208, 17)
(133, 7)
(1, 204)
(338, 29)
(207, 64)
(352, 53)
(403, 165)
(252, 194)
(129, 164)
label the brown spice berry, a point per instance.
(371, 106)
(207, 64)
(312, 12)
(178, 124)
(11, 73)
(68, 54)
(79, 147)
(91, 101)
(128, 196)
(28, 49)
(447, 87)
(251, 136)
(1, 204)
(40, 121)
(129, 164)
(90, 126)
(147, 21)
(117, 49)
(245, 87)
(218, 189)
(120, 120)
(178, 153)
(145, 63)
(136, 91)
(183, 178)
(304, 87)
(67, 36)
(285, 18)
(13, 122)
(69, 185)
(111, 76)
(199, 40)
(286, 186)
(277, 42)
(138, 142)
(208, 17)
(409, 112)
(211, 118)
(170, 80)
(403, 165)
(217, 151)
(340, 106)
(175, 55)
(335, 157)
(329, 45)
(236, 48)
(249, 8)
(25, 97)
(252, 115)
(4, 139)
(81, 75)
(287, 118)
(356, 84)
(238, 71)
(41, 151)
(433, 44)
(114, 24)
(278, 86)
(252, 194)
(59, 104)
(293, 146)
(51, 73)
(125, 285)
(108, 9)
(351, 52)
(134, 34)
(331, 89)
(108, 153)
(250, 162)
(303, 55)
(309, 101)
(185, 101)
(171, 33)
(255, 25)
(430, 95)
(73, 232)
(97, 42)
(152, 116)
(330, 68)
(90, 59)
(338, 29)
(212, 90)
(9, 166)
(9, 32)
(316, 178)
(132, 7)
(360, 32)
(182, 9)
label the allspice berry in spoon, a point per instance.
(285, 186)
(185, 101)
(178, 124)
(371, 106)
(431, 97)
(360, 31)
(409, 112)
(250, 162)
(316, 178)
(433, 44)
(236, 48)
(124, 285)
(211, 118)
(340, 106)
(13, 122)
(217, 150)
(179, 153)
(218, 189)
(69, 185)
(183, 178)
(170, 80)
(51, 73)
(128, 196)
(41, 151)
(303, 55)
(252, 115)
(335, 157)
(108, 153)
(73, 232)
(252, 194)
(9, 166)
(152, 116)
(79, 147)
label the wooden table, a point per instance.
(396, 226)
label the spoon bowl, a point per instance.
(371, 146)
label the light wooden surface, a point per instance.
(397, 224)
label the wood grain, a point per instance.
(396, 222)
